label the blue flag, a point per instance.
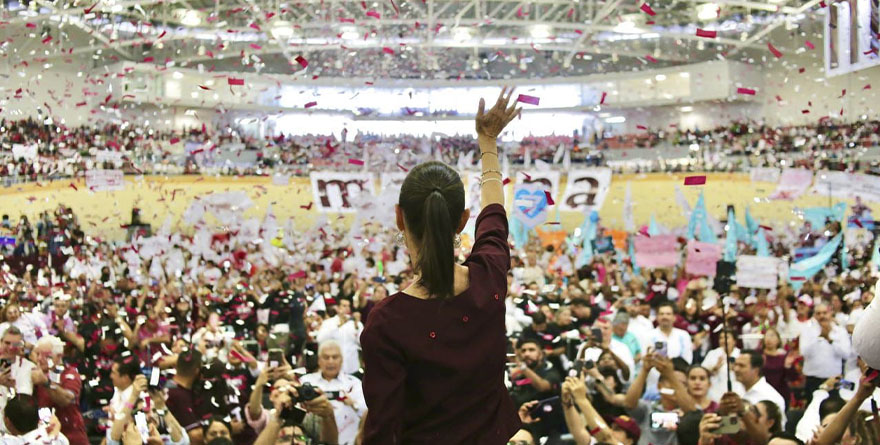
(653, 227)
(805, 269)
(730, 242)
(761, 243)
(699, 221)
(751, 224)
(817, 216)
(632, 255)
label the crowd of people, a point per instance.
(68, 152)
(259, 343)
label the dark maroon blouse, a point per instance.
(434, 369)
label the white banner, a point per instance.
(281, 179)
(793, 182)
(104, 180)
(586, 189)
(765, 174)
(842, 185)
(547, 179)
(337, 192)
(108, 156)
(757, 272)
(28, 152)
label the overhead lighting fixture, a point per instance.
(687, 109)
(616, 120)
(540, 31)
(189, 17)
(660, 77)
(281, 30)
(708, 11)
(461, 33)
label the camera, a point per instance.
(292, 416)
(306, 393)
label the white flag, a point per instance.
(559, 153)
(527, 158)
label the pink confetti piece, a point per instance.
(90, 8)
(234, 81)
(311, 104)
(174, 140)
(647, 10)
(308, 207)
(650, 58)
(402, 167)
(776, 52)
(204, 87)
(30, 25)
(46, 40)
(747, 91)
(532, 100)
(809, 44)
(73, 186)
(641, 127)
(302, 61)
(549, 198)
(387, 50)
(505, 181)
(355, 161)
(374, 14)
(255, 46)
(602, 100)
(867, 87)
(706, 33)
(695, 180)
(148, 59)
(255, 26)
(298, 274)
(798, 279)
(345, 20)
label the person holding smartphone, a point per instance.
(435, 353)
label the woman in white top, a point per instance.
(26, 323)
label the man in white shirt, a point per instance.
(825, 347)
(22, 421)
(677, 342)
(347, 333)
(592, 350)
(716, 363)
(532, 272)
(15, 370)
(749, 371)
(122, 374)
(344, 391)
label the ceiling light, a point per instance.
(461, 34)
(708, 11)
(540, 31)
(687, 109)
(188, 17)
(660, 77)
(616, 120)
(281, 30)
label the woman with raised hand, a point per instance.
(435, 353)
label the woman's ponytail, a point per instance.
(436, 262)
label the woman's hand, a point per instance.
(709, 422)
(578, 388)
(525, 415)
(491, 124)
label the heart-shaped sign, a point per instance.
(530, 204)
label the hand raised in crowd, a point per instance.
(709, 423)
(320, 406)
(577, 387)
(490, 124)
(731, 403)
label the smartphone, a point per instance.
(847, 385)
(293, 416)
(664, 420)
(660, 348)
(597, 335)
(729, 425)
(252, 347)
(276, 357)
(546, 407)
(5, 363)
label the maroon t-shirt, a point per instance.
(72, 424)
(434, 369)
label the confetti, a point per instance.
(374, 15)
(234, 81)
(204, 87)
(706, 33)
(311, 104)
(809, 44)
(73, 186)
(602, 100)
(776, 52)
(387, 50)
(532, 100)
(549, 198)
(174, 140)
(302, 61)
(651, 59)
(647, 10)
(746, 91)
(30, 25)
(353, 161)
(695, 180)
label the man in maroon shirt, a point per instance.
(58, 386)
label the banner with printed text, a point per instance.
(530, 204)
(656, 251)
(792, 183)
(104, 180)
(28, 152)
(339, 191)
(586, 189)
(757, 272)
(764, 174)
(702, 258)
(843, 185)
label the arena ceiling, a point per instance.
(485, 39)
